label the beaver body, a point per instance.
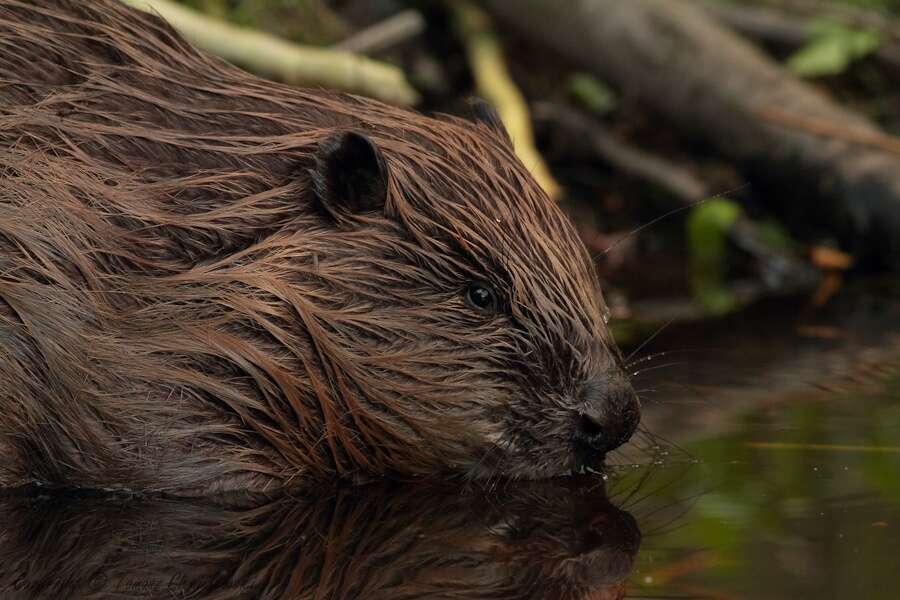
(210, 281)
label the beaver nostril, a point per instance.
(609, 416)
(590, 432)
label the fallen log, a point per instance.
(672, 57)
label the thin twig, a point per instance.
(385, 34)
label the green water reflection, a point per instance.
(795, 501)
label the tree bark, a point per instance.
(672, 57)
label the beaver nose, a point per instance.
(609, 414)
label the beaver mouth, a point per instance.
(590, 444)
(587, 460)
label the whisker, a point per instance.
(648, 340)
(655, 367)
(662, 441)
(651, 223)
(668, 214)
(662, 353)
(647, 358)
(676, 521)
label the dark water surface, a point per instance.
(796, 501)
(770, 468)
(784, 480)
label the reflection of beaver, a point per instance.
(208, 281)
(540, 542)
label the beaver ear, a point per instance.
(483, 112)
(350, 174)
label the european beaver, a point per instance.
(209, 281)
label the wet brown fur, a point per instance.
(177, 312)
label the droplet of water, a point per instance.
(606, 315)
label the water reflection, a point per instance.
(541, 541)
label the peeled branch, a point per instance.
(285, 61)
(495, 85)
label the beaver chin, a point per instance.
(535, 465)
(561, 457)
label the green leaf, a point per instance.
(774, 235)
(707, 231)
(832, 49)
(592, 93)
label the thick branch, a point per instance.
(674, 58)
(630, 160)
(285, 61)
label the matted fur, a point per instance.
(176, 314)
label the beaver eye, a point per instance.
(482, 296)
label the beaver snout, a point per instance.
(608, 416)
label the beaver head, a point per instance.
(468, 322)
(204, 271)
